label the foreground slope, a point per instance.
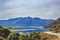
(55, 26)
(7, 34)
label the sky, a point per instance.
(46, 9)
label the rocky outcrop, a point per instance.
(7, 34)
(55, 26)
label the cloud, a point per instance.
(34, 8)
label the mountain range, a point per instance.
(25, 22)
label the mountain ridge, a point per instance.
(26, 21)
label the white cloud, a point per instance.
(34, 8)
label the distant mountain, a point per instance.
(55, 26)
(25, 21)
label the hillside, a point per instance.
(25, 22)
(55, 26)
(6, 34)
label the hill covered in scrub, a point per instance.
(6, 34)
(25, 22)
(55, 26)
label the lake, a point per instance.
(38, 29)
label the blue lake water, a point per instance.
(38, 29)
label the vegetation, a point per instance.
(6, 34)
(13, 28)
(55, 26)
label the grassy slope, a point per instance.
(13, 28)
(30, 36)
(55, 26)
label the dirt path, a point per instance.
(56, 34)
